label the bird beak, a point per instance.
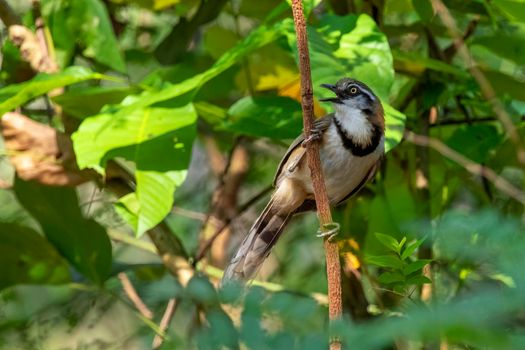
(332, 88)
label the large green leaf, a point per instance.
(395, 126)
(353, 46)
(413, 62)
(157, 138)
(16, 95)
(361, 50)
(87, 23)
(84, 243)
(512, 9)
(274, 117)
(27, 258)
(85, 102)
(506, 43)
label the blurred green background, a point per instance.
(147, 134)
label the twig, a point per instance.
(486, 88)
(164, 323)
(207, 245)
(472, 167)
(333, 267)
(7, 15)
(132, 294)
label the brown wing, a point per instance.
(370, 175)
(322, 124)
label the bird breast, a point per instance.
(343, 172)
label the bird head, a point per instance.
(353, 96)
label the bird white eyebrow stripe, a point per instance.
(366, 92)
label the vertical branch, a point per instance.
(333, 267)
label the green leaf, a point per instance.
(424, 9)
(402, 243)
(411, 248)
(391, 261)
(157, 139)
(87, 23)
(395, 126)
(135, 130)
(418, 280)
(512, 9)
(84, 243)
(275, 117)
(390, 277)
(416, 63)
(16, 95)
(388, 241)
(415, 266)
(505, 44)
(27, 258)
(353, 46)
(476, 142)
(82, 103)
(364, 51)
(211, 113)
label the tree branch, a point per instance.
(333, 267)
(472, 167)
(7, 15)
(165, 322)
(485, 86)
(207, 245)
(132, 294)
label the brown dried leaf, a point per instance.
(41, 153)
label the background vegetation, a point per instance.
(140, 137)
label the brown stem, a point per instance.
(132, 294)
(333, 267)
(165, 322)
(7, 15)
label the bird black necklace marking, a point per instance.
(357, 149)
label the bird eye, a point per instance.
(353, 90)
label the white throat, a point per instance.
(354, 123)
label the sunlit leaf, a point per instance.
(85, 22)
(16, 95)
(166, 132)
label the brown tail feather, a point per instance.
(256, 246)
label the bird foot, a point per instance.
(315, 136)
(332, 230)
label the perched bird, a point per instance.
(351, 147)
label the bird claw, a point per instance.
(332, 230)
(315, 136)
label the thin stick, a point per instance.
(165, 322)
(227, 223)
(333, 267)
(134, 296)
(472, 167)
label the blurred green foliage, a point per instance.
(164, 88)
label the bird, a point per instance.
(351, 147)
